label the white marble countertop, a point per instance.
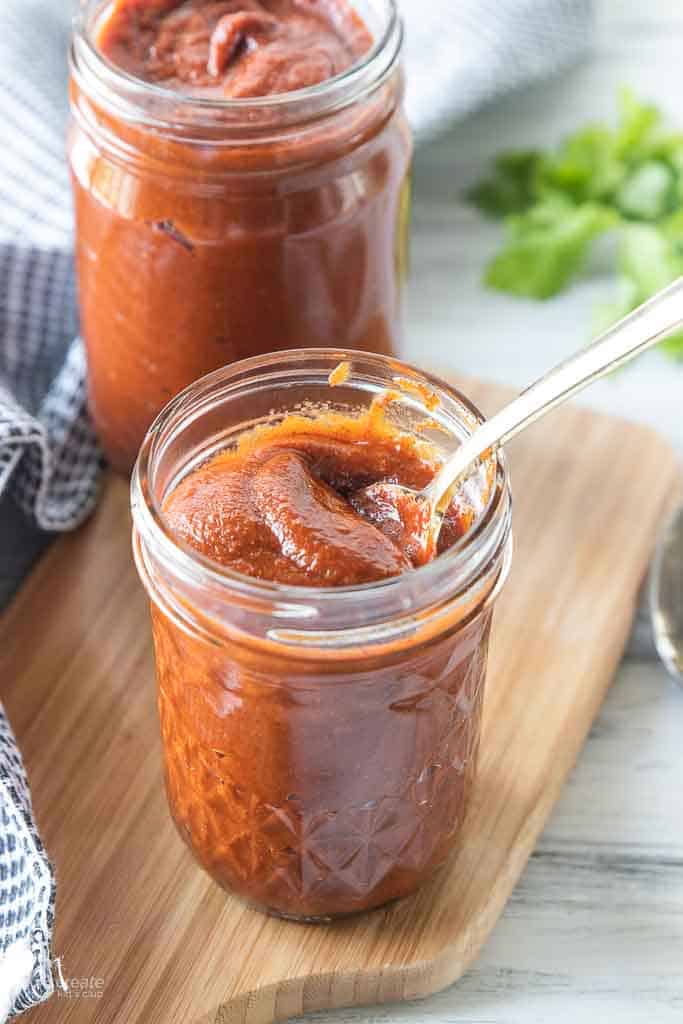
(594, 930)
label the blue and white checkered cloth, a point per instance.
(48, 453)
(49, 458)
(459, 55)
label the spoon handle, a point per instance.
(648, 324)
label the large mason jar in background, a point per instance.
(210, 230)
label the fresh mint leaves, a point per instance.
(554, 204)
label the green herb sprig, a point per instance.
(627, 179)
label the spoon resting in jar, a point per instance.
(418, 515)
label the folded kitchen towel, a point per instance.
(458, 55)
(27, 890)
(461, 54)
(48, 454)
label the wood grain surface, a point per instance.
(135, 911)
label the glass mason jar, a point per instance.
(211, 230)
(319, 744)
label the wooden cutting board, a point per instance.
(163, 943)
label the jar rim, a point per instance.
(452, 572)
(363, 76)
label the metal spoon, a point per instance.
(420, 513)
(666, 596)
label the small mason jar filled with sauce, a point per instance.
(320, 697)
(240, 174)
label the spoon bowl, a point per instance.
(406, 516)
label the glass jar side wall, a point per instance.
(320, 793)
